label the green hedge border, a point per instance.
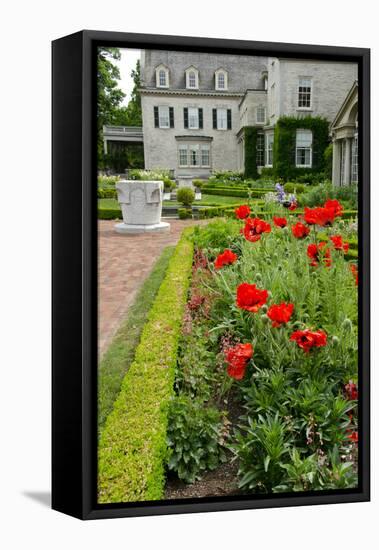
(132, 448)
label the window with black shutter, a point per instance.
(200, 118)
(171, 117)
(214, 118)
(229, 119)
(185, 117)
(156, 117)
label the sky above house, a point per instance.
(126, 64)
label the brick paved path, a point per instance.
(124, 263)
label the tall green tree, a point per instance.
(109, 95)
(132, 114)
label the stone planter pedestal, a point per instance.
(141, 206)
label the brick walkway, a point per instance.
(124, 263)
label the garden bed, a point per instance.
(266, 379)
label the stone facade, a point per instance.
(193, 119)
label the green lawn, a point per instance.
(120, 354)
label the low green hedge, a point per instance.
(106, 193)
(184, 213)
(234, 192)
(109, 214)
(133, 448)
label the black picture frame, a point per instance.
(74, 272)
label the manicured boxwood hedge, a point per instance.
(234, 192)
(109, 214)
(132, 448)
(106, 193)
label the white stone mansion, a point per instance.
(195, 107)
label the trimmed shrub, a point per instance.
(169, 185)
(199, 184)
(133, 447)
(106, 193)
(297, 188)
(109, 214)
(185, 195)
(184, 213)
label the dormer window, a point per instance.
(162, 76)
(192, 78)
(221, 79)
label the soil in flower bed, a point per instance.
(220, 482)
(223, 481)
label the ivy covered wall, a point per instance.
(284, 165)
(250, 144)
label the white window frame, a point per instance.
(269, 149)
(164, 115)
(260, 109)
(192, 115)
(260, 149)
(224, 74)
(354, 159)
(205, 148)
(188, 72)
(222, 118)
(201, 151)
(303, 145)
(182, 147)
(157, 76)
(304, 82)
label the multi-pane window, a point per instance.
(260, 158)
(304, 148)
(194, 154)
(183, 155)
(205, 160)
(269, 148)
(261, 114)
(192, 80)
(304, 93)
(162, 78)
(342, 162)
(193, 118)
(354, 161)
(164, 117)
(222, 119)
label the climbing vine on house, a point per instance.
(285, 145)
(250, 143)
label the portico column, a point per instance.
(347, 162)
(105, 146)
(336, 162)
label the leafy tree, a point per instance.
(109, 96)
(132, 114)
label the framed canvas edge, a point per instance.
(86, 508)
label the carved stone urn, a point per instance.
(141, 206)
